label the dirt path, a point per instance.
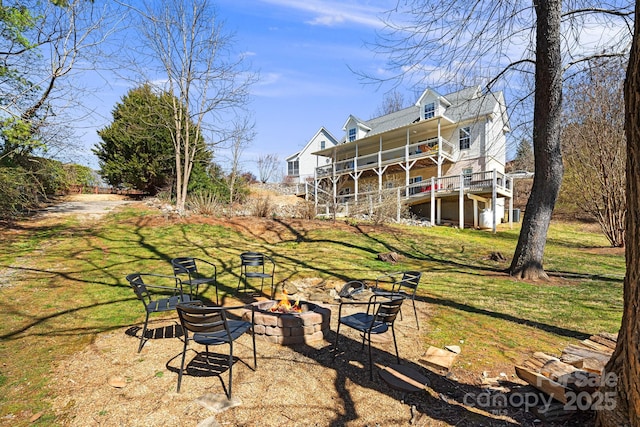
(88, 206)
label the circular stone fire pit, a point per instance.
(308, 326)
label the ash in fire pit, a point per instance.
(307, 325)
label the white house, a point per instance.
(301, 166)
(445, 155)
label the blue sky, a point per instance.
(303, 52)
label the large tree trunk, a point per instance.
(527, 259)
(624, 365)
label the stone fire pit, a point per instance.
(305, 327)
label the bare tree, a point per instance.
(495, 42)
(623, 369)
(61, 39)
(529, 253)
(393, 101)
(185, 45)
(268, 166)
(594, 147)
(241, 137)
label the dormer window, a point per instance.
(465, 138)
(352, 134)
(429, 110)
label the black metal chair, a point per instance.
(256, 265)
(212, 326)
(379, 317)
(405, 287)
(156, 298)
(188, 266)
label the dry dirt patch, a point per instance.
(304, 385)
(86, 206)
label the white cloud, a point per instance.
(332, 13)
(290, 83)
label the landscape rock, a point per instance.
(391, 257)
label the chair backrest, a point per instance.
(410, 280)
(137, 283)
(388, 309)
(252, 259)
(184, 265)
(199, 318)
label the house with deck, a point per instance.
(444, 157)
(301, 166)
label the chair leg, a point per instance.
(253, 338)
(415, 313)
(230, 368)
(184, 355)
(144, 332)
(395, 344)
(370, 358)
(335, 346)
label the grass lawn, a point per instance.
(61, 284)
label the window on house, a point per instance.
(293, 168)
(352, 134)
(429, 110)
(413, 180)
(323, 145)
(466, 173)
(465, 138)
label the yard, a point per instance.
(68, 350)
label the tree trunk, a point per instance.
(528, 256)
(624, 366)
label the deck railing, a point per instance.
(478, 182)
(423, 149)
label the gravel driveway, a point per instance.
(90, 206)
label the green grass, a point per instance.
(69, 286)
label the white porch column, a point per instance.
(461, 202)
(494, 199)
(335, 190)
(475, 213)
(439, 151)
(406, 170)
(355, 171)
(439, 211)
(379, 168)
(433, 200)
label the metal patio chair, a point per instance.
(156, 298)
(187, 269)
(208, 326)
(256, 265)
(405, 287)
(379, 317)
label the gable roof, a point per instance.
(434, 94)
(462, 105)
(322, 130)
(361, 123)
